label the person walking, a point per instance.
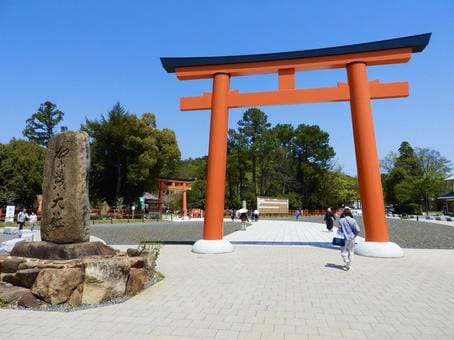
(256, 215)
(21, 216)
(232, 214)
(32, 218)
(329, 219)
(244, 219)
(350, 229)
(297, 214)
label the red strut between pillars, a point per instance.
(373, 207)
(217, 159)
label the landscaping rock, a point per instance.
(53, 251)
(105, 279)
(150, 261)
(55, 286)
(132, 252)
(55, 264)
(76, 296)
(28, 300)
(136, 281)
(23, 278)
(10, 294)
(10, 264)
(136, 262)
(103, 209)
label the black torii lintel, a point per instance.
(416, 42)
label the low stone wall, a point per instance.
(31, 282)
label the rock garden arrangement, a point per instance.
(89, 280)
(65, 268)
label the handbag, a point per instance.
(339, 239)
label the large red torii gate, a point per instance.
(359, 91)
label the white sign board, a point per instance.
(9, 216)
(272, 205)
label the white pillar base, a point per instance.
(378, 249)
(212, 247)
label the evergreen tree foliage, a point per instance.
(281, 161)
(128, 153)
(414, 178)
(21, 172)
(41, 126)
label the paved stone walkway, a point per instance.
(272, 231)
(268, 292)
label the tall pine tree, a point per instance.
(41, 126)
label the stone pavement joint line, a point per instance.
(260, 292)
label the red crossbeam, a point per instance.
(299, 96)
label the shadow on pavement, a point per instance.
(335, 266)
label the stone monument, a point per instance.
(66, 207)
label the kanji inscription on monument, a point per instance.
(66, 207)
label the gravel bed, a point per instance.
(406, 233)
(166, 232)
(410, 234)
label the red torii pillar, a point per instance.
(217, 159)
(359, 91)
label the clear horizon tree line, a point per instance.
(129, 151)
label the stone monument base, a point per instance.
(89, 280)
(53, 251)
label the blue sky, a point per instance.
(86, 55)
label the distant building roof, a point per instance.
(176, 179)
(447, 197)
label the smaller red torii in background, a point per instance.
(173, 184)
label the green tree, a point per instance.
(398, 185)
(434, 168)
(254, 126)
(278, 161)
(21, 172)
(128, 153)
(239, 187)
(415, 177)
(314, 158)
(284, 167)
(337, 189)
(41, 126)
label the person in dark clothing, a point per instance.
(329, 219)
(244, 219)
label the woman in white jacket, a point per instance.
(349, 227)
